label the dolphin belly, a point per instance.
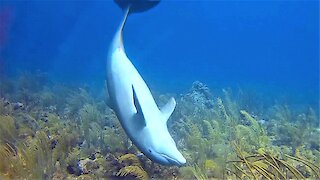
(122, 75)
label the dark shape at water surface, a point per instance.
(137, 5)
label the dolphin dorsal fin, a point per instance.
(139, 115)
(167, 109)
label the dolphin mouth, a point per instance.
(171, 160)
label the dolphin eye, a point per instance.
(150, 151)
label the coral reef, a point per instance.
(54, 131)
(199, 95)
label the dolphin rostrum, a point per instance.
(133, 103)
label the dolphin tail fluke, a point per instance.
(167, 109)
(137, 5)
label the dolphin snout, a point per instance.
(181, 160)
(178, 160)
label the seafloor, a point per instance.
(54, 131)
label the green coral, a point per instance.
(90, 115)
(28, 160)
(73, 157)
(77, 100)
(253, 136)
(8, 130)
(113, 140)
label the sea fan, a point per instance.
(136, 171)
(131, 158)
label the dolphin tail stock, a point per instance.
(137, 6)
(125, 16)
(118, 37)
(132, 6)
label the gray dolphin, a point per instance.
(133, 103)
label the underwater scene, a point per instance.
(142, 89)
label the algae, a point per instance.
(62, 132)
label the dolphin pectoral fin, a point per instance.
(139, 115)
(108, 99)
(109, 102)
(167, 109)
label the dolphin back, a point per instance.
(137, 6)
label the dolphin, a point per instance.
(137, 111)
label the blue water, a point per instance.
(269, 46)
